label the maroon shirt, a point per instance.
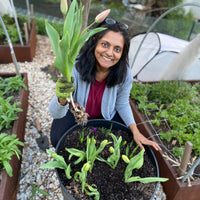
(93, 106)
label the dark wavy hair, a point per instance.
(86, 61)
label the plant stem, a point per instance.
(87, 28)
(72, 101)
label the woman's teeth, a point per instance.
(108, 59)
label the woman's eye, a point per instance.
(104, 44)
(117, 49)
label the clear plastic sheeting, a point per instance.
(5, 8)
(156, 55)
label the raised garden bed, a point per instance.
(22, 53)
(9, 185)
(174, 188)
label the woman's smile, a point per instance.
(108, 59)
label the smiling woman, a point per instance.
(102, 80)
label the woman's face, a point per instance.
(109, 49)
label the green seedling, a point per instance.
(8, 147)
(136, 163)
(90, 156)
(106, 131)
(113, 159)
(8, 112)
(58, 163)
(36, 189)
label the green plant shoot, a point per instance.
(58, 163)
(91, 191)
(114, 158)
(92, 152)
(136, 163)
(78, 153)
(36, 189)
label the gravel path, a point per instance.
(41, 90)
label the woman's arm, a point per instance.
(141, 139)
(56, 109)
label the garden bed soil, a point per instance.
(22, 53)
(174, 188)
(110, 183)
(9, 185)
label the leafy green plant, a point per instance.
(8, 109)
(91, 153)
(136, 162)
(12, 84)
(177, 103)
(12, 29)
(8, 147)
(89, 189)
(58, 163)
(113, 159)
(8, 112)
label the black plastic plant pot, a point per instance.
(106, 124)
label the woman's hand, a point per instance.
(64, 88)
(140, 139)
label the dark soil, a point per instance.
(52, 71)
(110, 183)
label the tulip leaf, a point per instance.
(54, 38)
(52, 165)
(74, 52)
(146, 179)
(69, 21)
(135, 163)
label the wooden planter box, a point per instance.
(9, 185)
(22, 53)
(174, 189)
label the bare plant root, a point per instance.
(80, 115)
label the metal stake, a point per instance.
(26, 32)
(185, 158)
(28, 14)
(11, 47)
(16, 22)
(32, 11)
(191, 169)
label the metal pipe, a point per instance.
(28, 14)
(156, 21)
(191, 170)
(11, 47)
(16, 22)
